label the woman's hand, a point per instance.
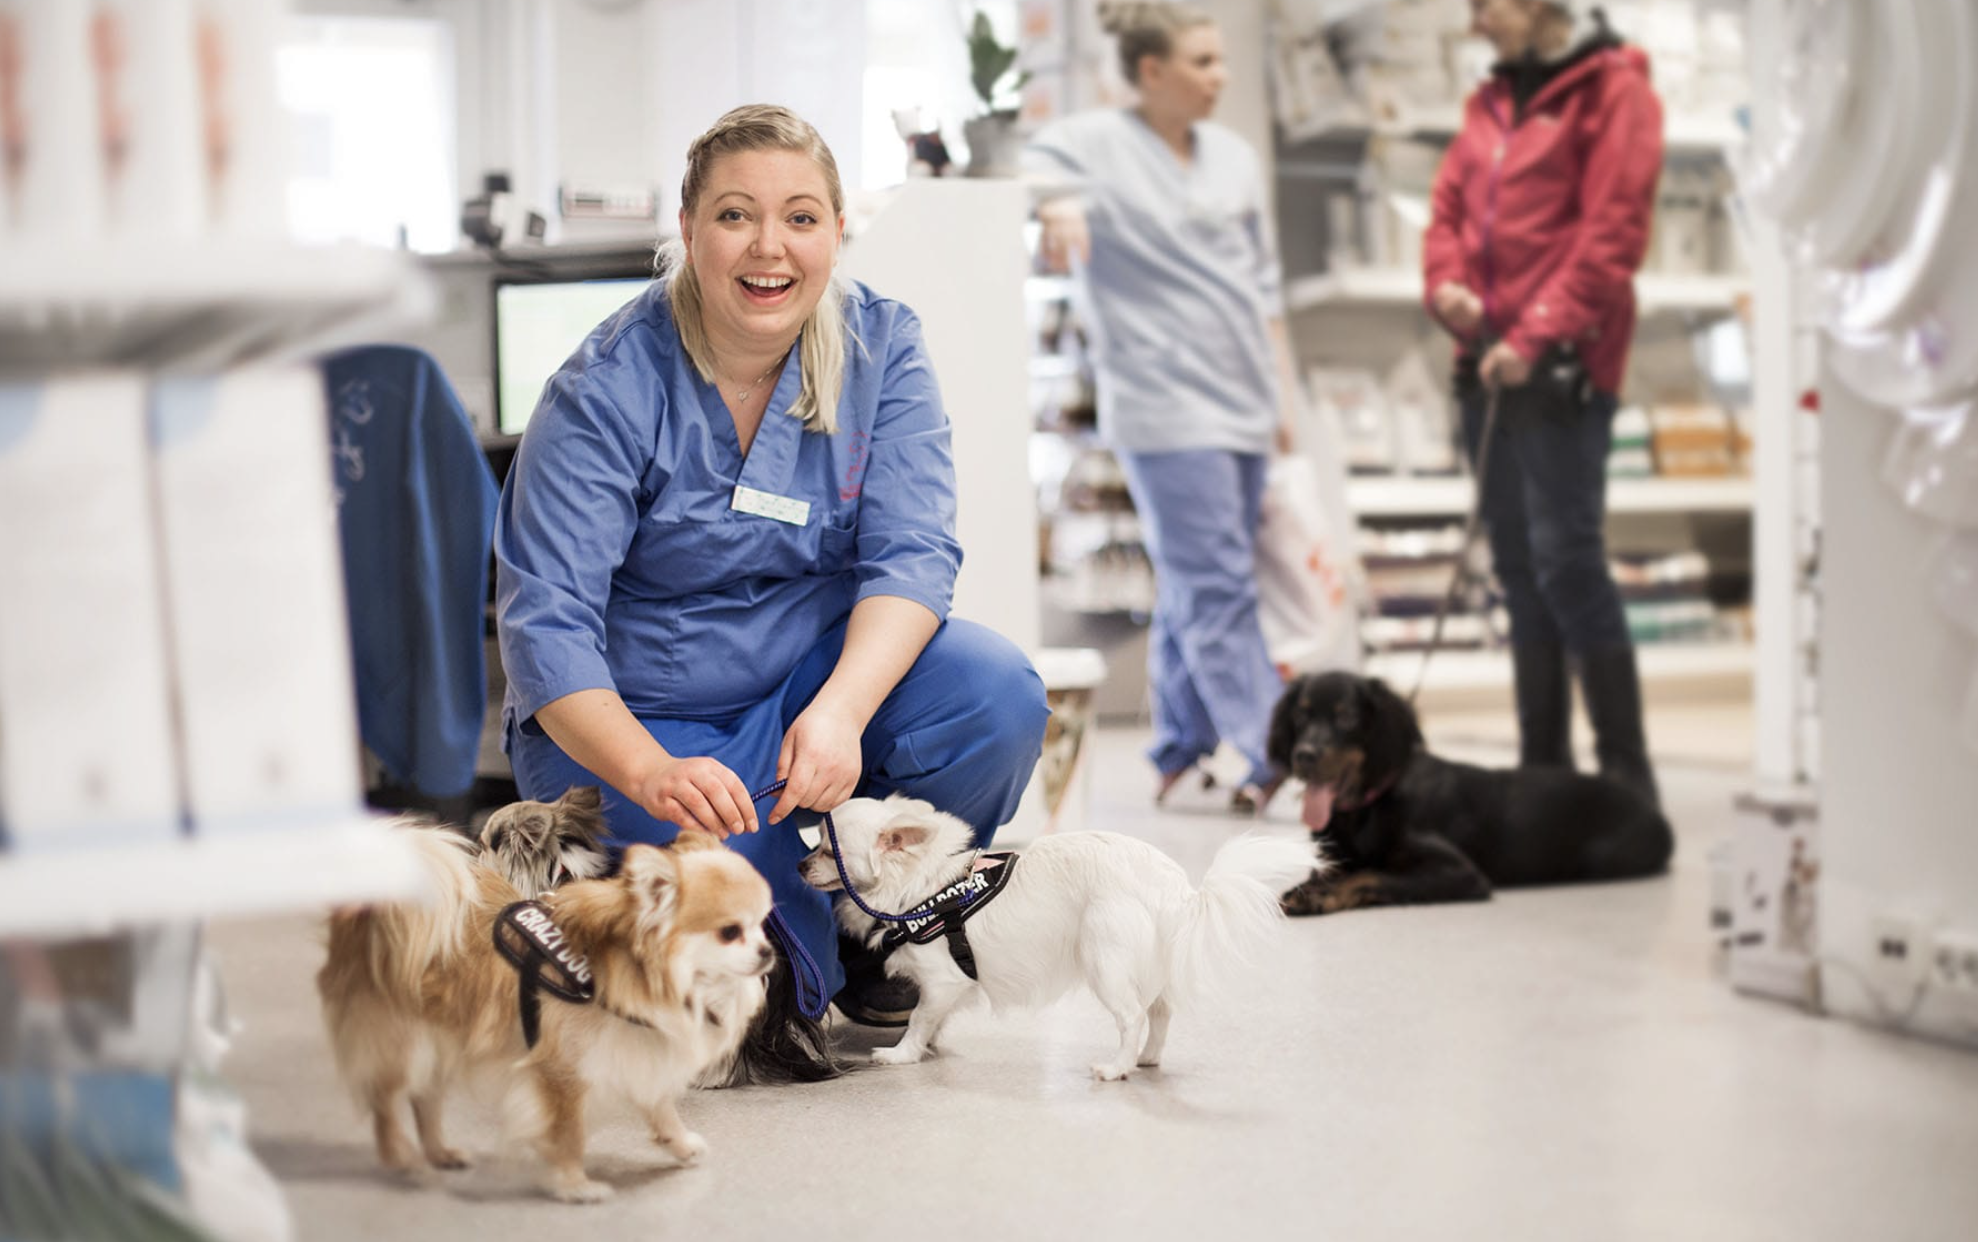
(1504, 367)
(696, 792)
(1066, 235)
(1461, 309)
(821, 760)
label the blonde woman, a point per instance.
(1161, 215)
(726, 551)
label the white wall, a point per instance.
(708, 56)
(1899, 793)
(606, 125)
(1246, 105)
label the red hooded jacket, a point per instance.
(1546, 219)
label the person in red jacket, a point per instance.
(1541, 216)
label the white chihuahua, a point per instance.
(1097, 908)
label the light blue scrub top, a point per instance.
(1183, 277)
(620, 565)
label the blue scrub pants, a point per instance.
(1543, 509)
(962, 730)
(1210, 673)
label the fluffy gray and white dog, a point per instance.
(539, 845)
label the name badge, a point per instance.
(770, 505)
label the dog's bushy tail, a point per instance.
(396, 944)
(1231, 920)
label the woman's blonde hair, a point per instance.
(763, 127)
(1147, 28)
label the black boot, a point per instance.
(871, 997)
(1545, 705)
(1612, 688)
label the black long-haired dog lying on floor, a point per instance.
(1401, 826)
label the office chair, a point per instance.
(416, 507)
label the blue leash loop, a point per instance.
(837, 859)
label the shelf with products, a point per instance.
(1656, 293)
(1699, 135)
(1365, 108)
(1404, 495)
(1490, 669)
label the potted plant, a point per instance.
(992, 135)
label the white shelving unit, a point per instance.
(1419, 496)
(1681, 135)
(1356, 316)
(1402, 287)
(1489, 670)
(200, 307)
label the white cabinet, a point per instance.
(192, 309)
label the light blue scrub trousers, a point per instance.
(963, 730)
(1210, 674)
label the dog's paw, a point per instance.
(686, 1147)
(1107, 1072)
(577, 1189)
(898, 1054)
(450, 1159)
(415, 1176)
(1308, 898)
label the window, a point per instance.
(371, 102)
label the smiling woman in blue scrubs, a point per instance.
(726, 551)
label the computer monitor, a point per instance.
(537, 326)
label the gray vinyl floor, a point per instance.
(1563, 1064)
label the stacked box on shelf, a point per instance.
(1408, 574)
(1631, 453)
(1420, 60)
(1666, 596)
(1693, 440)
(1402, 423)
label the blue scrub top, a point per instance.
(620, 564)
(1181, 284)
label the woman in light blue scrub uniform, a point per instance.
(726, 551)
(1162, 218)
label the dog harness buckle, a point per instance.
(947, 912)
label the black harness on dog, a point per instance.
(947, 912)
(533, 943)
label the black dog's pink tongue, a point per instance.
(1318, 807)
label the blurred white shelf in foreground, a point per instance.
(198, 306)
(1394, 286)
(1405, 496)
(89, 891)
(1486, 670)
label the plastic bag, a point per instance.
(1303, 594)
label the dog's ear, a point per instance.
(653, 876)
(898, 836)
(691, 839)
(1392, 731)
(582, 800)
(1284, 723)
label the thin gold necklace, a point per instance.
(742, 394)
